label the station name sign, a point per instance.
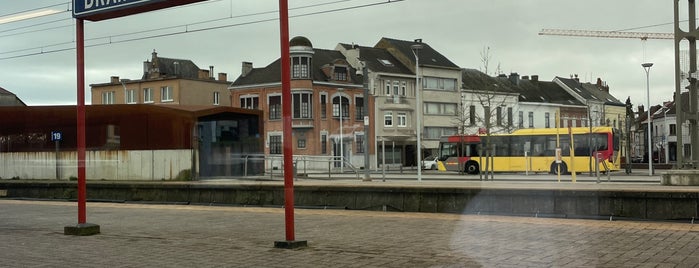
(95, 10)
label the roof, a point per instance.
(427, 55)
(272, 72)
(540, 91)
(8, 98)
(379, 60)
(473, 79)
(590, 91)
(171, 67)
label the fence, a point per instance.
(99, 165)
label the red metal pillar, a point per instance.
(80, 47)
(286, 115)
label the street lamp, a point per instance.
(416, 48)
(646, 67)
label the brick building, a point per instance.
(327, 103)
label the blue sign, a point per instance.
(56, 135)
(83, 8)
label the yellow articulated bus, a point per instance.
(534, 150)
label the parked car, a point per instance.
(430, 162)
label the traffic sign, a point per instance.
(56, 135)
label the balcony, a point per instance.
(302, 123)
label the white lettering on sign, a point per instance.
(99, 3)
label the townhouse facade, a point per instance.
(391, 85)
(166, 81)
(439, 90)
(664, 137)
(327, 105)
(487, 104)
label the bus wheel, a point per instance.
(554, 168)
(471, 167)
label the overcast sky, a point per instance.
(459, 29)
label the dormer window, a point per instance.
(340, 73)
(300, 67)
(385, 62)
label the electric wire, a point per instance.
(186, 30)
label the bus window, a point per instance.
(447, 150)
(538, 145)
(502, 145)
(550, 145)
(473, 149)
(517, 148)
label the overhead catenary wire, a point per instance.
(186, 30)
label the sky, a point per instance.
(37, 56)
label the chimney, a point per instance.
(535, 77)
(514, 79)
(525, 77)
(222, 77)
(114, 80)
(211, 71)
(247, 68)
(576, 78)
(203, 74)
(419, 40)
(641, 110)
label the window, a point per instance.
(388, 119)
(396, 88)
(301, 106)
(388, 88)
(301, 143)
(509, 116)
(402, 119)
(275, 107)
(531, 119)
(486, 113)
(498, 113)
(108, 97)
(359, 138)
(300, 67)
(471, 115)
(130, 96)
(147, 95)
(436, 108)
(673, 130)
(547, 117)
(359, 108)
(249, 102)
(340, 73)
(437, 83)
(402, 89)
(275, 144)
(435, 133)
(324, 143)
(323, 106)
(217, 96)
(337, 109)
(520, 120)
(165, 94)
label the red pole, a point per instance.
(80, 47)
(286, 115)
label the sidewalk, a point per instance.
(138, 235)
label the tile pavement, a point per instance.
(147, 235)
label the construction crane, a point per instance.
(609, 34)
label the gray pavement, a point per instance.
(146, 235)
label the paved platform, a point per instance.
(140, 235)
